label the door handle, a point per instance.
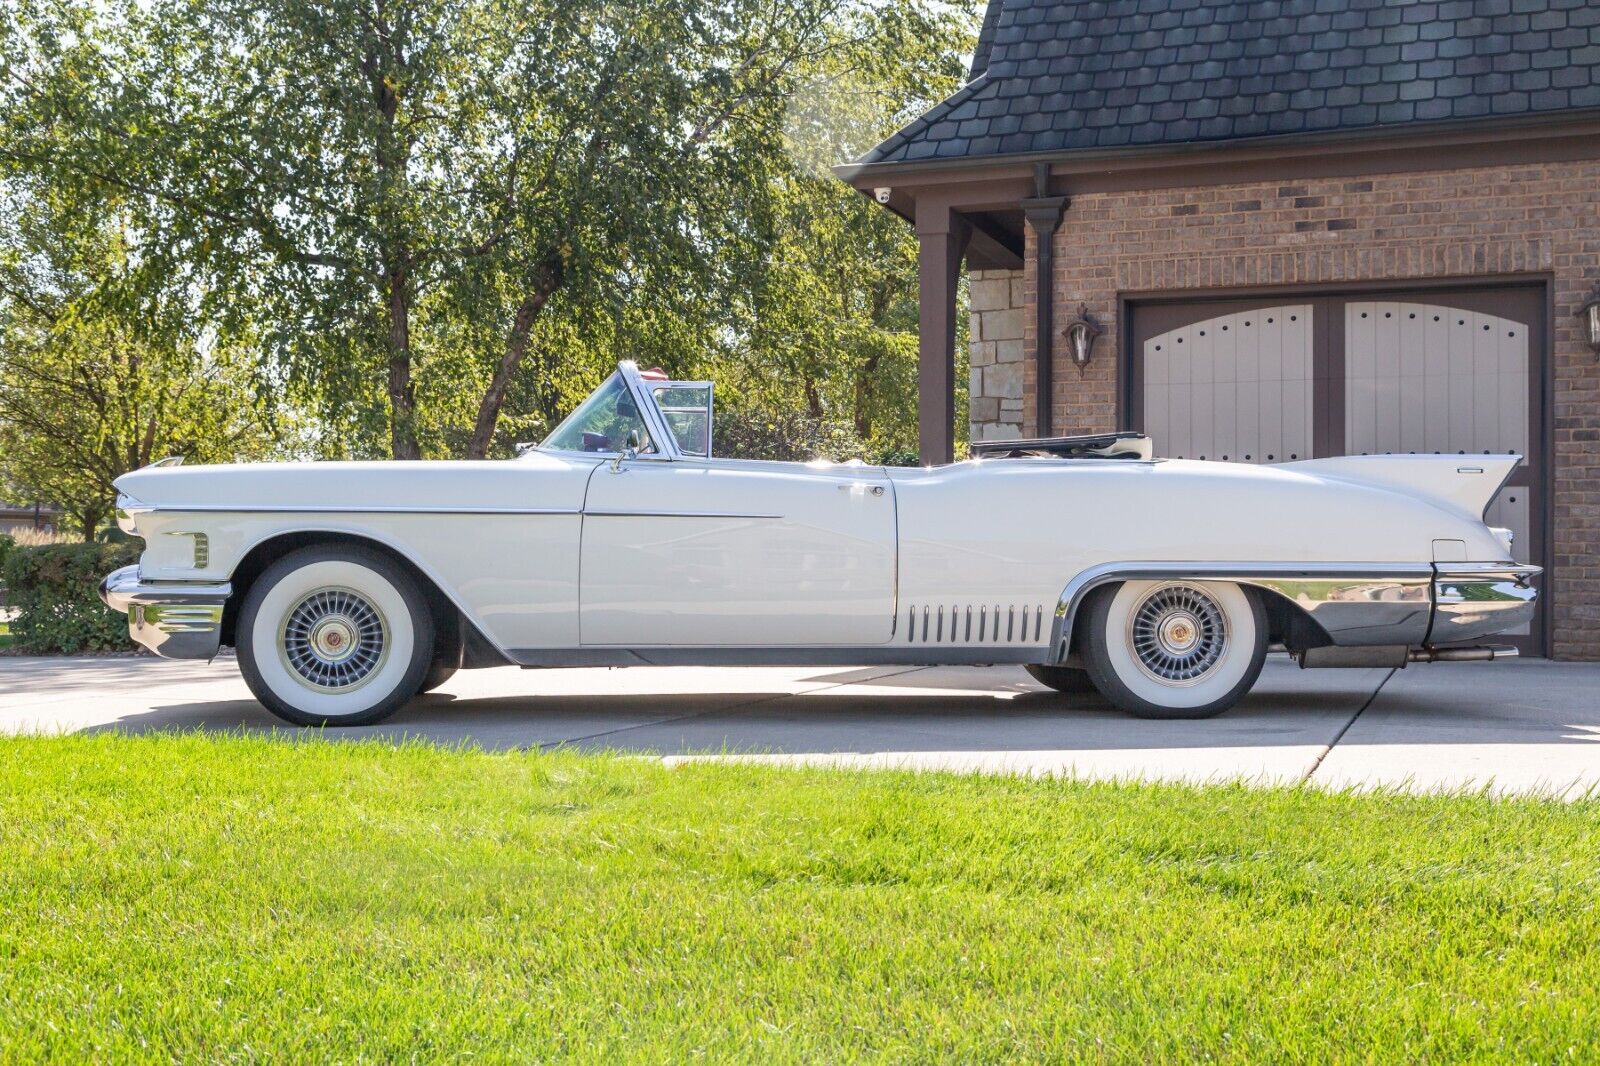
(862, 487)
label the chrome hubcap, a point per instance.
(334, 639)
(1178, 633)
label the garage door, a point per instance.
(1423, 377)
(1267, 381)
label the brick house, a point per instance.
(1305, 228)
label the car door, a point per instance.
(735, 553)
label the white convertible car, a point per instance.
(621, 540)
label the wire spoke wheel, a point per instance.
(1174, 648)
(335, 635)
(334, 639)
(1178, 633)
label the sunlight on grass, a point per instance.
(184, 897)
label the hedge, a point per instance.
(53, 588)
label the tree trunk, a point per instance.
(547, 279)
(402, 392)
(88, 522)
(813, 401)
(863, 390)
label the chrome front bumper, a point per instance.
(1474, 600)
(174, 619)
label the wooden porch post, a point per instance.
(1043, 213)
(941, 241)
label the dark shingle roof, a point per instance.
(980, 52)
(1057, 75)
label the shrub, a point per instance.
(890, 455)
(53, 588)
(8, 544)
(782, 436)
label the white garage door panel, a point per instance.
(1233, 386)
(1421, 377)
(1427, 378)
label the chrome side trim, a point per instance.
(1357, 604)
(1024, 624)
(1477, 600)
(174, 619)
(677, 514)
(229, 508)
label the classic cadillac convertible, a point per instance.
(348, 588)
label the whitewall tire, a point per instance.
(1174, 649)
(334, 635)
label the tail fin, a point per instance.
(1465, 483)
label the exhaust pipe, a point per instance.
(1396, 656)
(1484, 654)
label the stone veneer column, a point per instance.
(994, 397)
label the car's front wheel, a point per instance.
(1174, 649)
(334, 635)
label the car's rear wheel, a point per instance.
(334, 635)
(1065, 679)
(1174, 649)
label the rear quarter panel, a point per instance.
(1017, 530)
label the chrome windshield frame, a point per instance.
(661, 435)
(660, 432)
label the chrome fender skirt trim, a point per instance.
(785, 655)
(1357, 604)
(1477, 600)
(174, 619)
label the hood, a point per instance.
(330, 486)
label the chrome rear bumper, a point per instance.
(1370, 613)
(1474, 600)
(174, 619)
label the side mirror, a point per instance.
(630, 450)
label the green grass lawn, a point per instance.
(5, 634)
(184, 898)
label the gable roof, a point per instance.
(1060, 75)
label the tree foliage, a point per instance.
(97, 379)
(437, 221)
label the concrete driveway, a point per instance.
(1513, 726)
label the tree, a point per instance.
(333, 168)
(92, 386)
(829, 326)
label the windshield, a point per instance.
(602, 422)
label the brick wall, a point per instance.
(994, 396)
(1539, 220)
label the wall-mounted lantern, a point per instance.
(1081, 334)
(1590, 314)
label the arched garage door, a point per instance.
(1273, 380)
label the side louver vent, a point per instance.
(974, 623)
